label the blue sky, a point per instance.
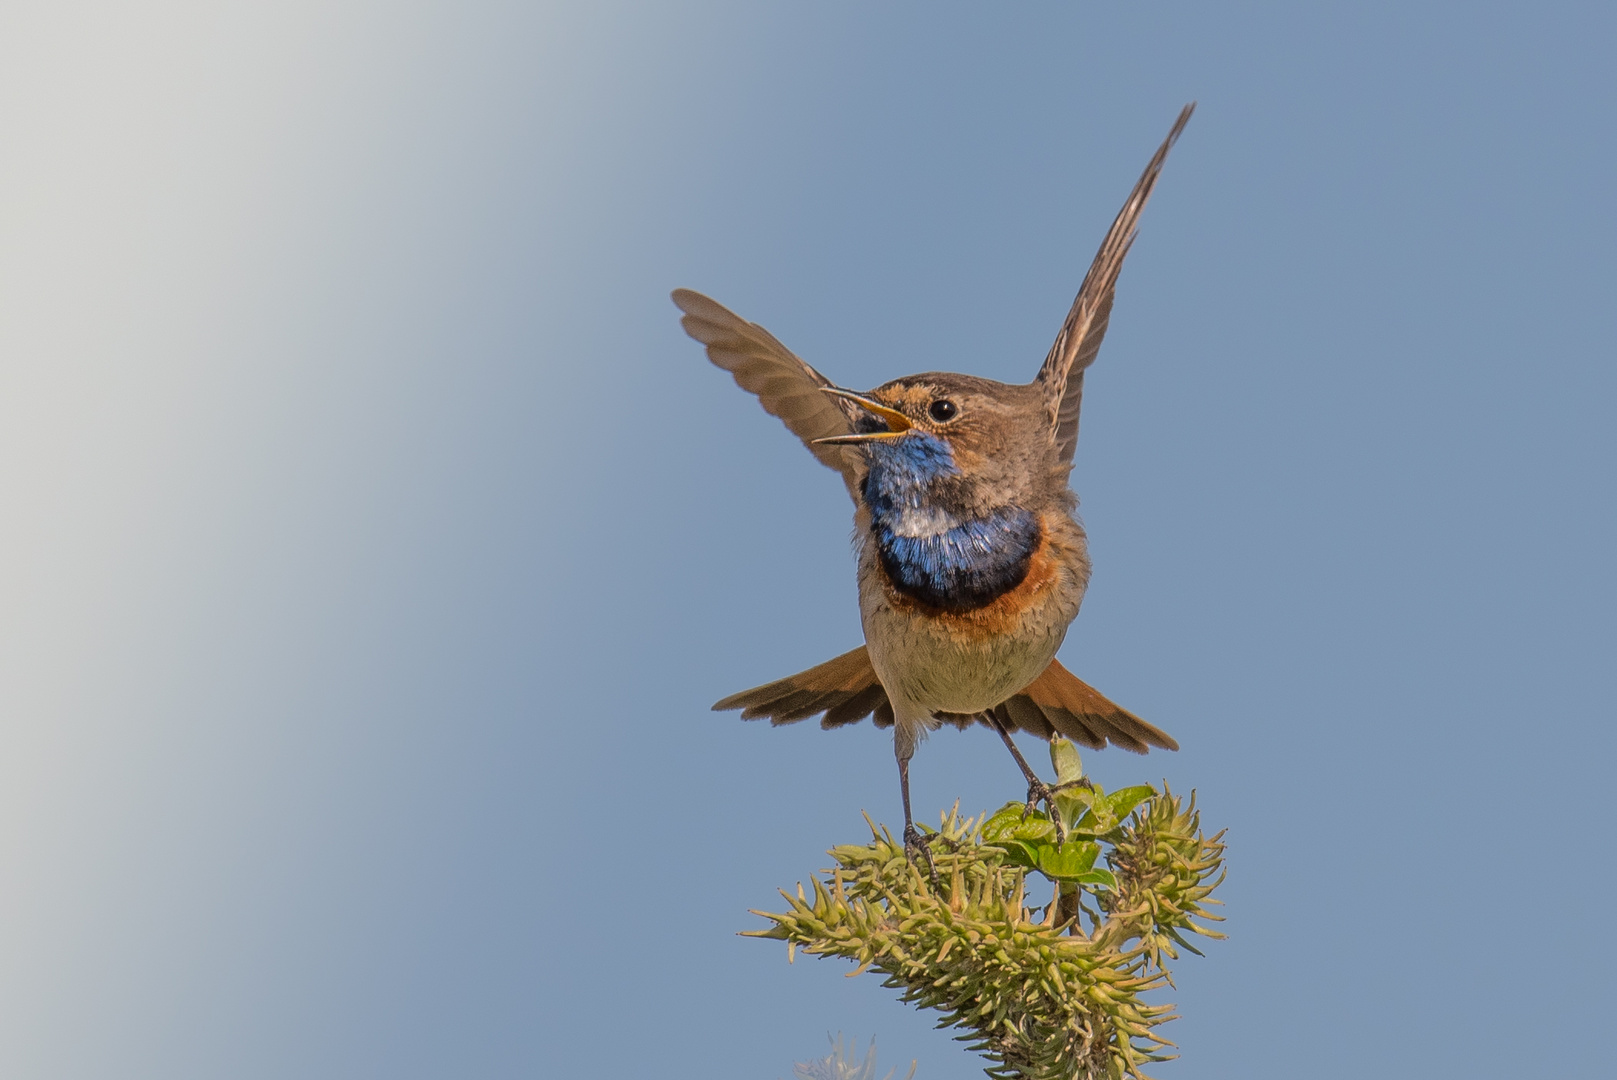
(377, 542)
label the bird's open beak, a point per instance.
(897, 422)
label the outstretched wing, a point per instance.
(786, 387)
(1062, 376)
(846, 690)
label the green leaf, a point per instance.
(1020, 853)
(1100, 818)
(1121, 802)
(1098, 877)
(1007, 824)
(1064, 756)
(1067, 862)
(1071, 804)
(1003, 820)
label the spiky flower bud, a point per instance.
(1039, 996)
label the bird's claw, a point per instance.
(917, 841)
(1038, 791)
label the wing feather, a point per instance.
(1062, 375)
(786, 387)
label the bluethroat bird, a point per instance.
(971, 561)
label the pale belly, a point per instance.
(967, 662)
(933, 670)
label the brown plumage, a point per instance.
(847, 690)
(1075, 348)
(786, 387)
(971, 562)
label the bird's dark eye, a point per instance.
(942, 410)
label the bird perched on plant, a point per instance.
(971, 562)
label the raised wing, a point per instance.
(786, 387)
(846, 690)
(1062, 375)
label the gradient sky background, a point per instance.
(374, 542)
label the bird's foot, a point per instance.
(917, 841)
(1038, 791)
(1082, 781)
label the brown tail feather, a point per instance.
(846, 690)
(855, 708)
(1070, 705)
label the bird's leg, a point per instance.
(913, 840)
(1037, 790)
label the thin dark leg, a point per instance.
(1027, 770)
(1037, 790)
(913, 840)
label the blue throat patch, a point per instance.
(929, 554)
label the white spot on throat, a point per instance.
(915, 521)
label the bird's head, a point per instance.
(982, 443)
